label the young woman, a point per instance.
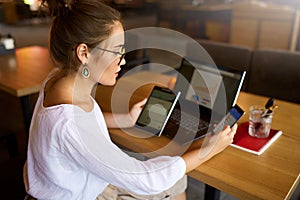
(70, 154)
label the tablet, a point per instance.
(157, 110)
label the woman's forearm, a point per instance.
(211, 146)
(120, 120)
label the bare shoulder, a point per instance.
(61, 91)
(56, 92)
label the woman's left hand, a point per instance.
(136, 110)
(124, 120)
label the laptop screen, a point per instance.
(214, 88)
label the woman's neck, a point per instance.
(71, 89)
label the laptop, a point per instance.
(207, 94)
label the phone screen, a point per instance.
(157, 110)
(234, 114)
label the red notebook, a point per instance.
(242, 140)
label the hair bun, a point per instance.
(58, 7)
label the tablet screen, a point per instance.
(157, 110)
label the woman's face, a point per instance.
(114, 44)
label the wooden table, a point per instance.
(272, 175)
(22, 73)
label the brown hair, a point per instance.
(75, 22)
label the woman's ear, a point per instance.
(82, 52)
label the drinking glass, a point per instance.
(259, 121)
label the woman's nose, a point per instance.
(123, 61)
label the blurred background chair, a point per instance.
(228, 55)
(275, 73)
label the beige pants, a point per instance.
(113, 193)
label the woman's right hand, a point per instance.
(212, 145)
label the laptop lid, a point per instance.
(213, 88)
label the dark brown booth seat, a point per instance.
(275, 73)
(228, 55)
(224, 54)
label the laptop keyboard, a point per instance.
(188, 121)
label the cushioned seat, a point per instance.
(228, 55)
(275, 73)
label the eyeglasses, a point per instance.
(122, 53)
